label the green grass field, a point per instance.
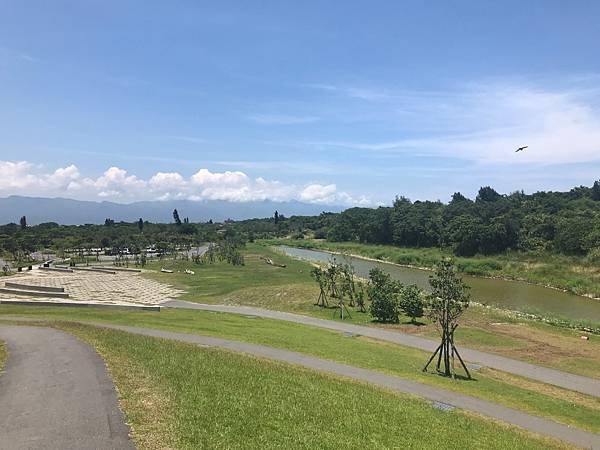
(180, 396)
(575, 274)
(218, 279)
(558, 404)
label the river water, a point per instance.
(514, 295)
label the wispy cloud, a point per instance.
(282, 119)
(18, 54)
(487, 122)
(189, 139)
(359, 92)
(282, 166)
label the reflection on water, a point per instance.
(505, 294)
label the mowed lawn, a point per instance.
(536, 398)
(218, 279)
(181, 396)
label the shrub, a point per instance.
(383, 293)
(411, 302)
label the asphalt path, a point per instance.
(585, 385)
(55, 393)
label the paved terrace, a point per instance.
(82, 286)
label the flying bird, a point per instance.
(520, 149)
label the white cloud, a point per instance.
(16, 175)
(24, 178)
(318, 193)
(115, 182)
(206, 178)
(66, 178)
(166, 180)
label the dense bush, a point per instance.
(411, 301)
(384, 296)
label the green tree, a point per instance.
(595, 191)
(140, 224)
(23, 222)
(487, 194)
(448, 300)
(383, 293)
(176, 217)
(411, 302)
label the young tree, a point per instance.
(320, 277)
(176, 217)
(140, 225)
(360, 298)
(276, 217)
(383, 293)
(23, 222)
(448, 300)
(411, 302)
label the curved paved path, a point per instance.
(585, 385)
(55, 394)
(529, 422)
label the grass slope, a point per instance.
(537, 398)
(180, 396)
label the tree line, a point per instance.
(565, 222)
(562, 222)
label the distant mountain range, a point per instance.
(74, 212)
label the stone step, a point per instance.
(79, 304)
(32, 287)
(4, 290)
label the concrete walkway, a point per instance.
(531, 423)
(555, 377)
(55, 394)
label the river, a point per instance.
(514, 295)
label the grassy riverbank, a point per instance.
(292, 289)
(516, 392)
(181, 396)
(574, 274)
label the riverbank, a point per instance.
(567, 273)
(292, 289)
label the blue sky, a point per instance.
(327, 102)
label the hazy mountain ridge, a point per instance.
(72, 212)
